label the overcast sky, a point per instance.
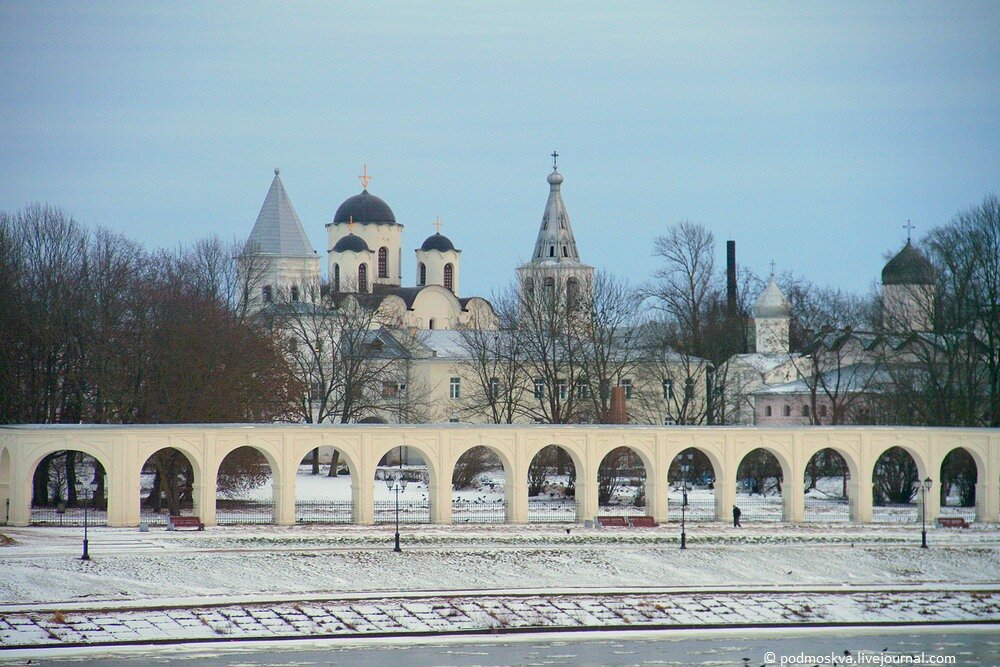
(807, 132)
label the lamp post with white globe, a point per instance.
(87, 491)
(397, 484)
(925, 487)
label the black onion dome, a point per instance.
(908, 267)
(351, 242)
(438, 242)
(365, 209)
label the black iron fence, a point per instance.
(548, 510)
(410, 511)
(67, 516)
(324, 511)
(158, 516)
(621, 509)
(474, 511)
(827, 510)
(698, 509)
(243, 512)
(896, 513)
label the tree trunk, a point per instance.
(315, 461)
(70, 463)
(334, 463)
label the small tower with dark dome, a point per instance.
(369, 219)
(908, 291)
(438, 261)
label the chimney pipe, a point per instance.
(731, 278)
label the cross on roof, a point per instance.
(276, 171)
(350, 224)
(437, 223)
(555, 156)
(909, 228)
(364, 177)
(772, 268)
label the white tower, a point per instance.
(555, 265)
(438, 262)
(771, 315)
(370, 219)
(291, 265)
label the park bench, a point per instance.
(612, 521)
(643, 522)
(177, 522)
(952, 522)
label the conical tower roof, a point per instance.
(771, 302)
(555, 241)
(278, 230)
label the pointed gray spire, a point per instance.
(555, 237)
(278, 230)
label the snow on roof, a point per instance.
(854, 378)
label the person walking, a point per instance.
(736, 516)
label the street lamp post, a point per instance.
(397, 484)
(87, 491)
(685, 467)
(925, 486)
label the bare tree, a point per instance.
(685, 282)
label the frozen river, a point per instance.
(966, 646)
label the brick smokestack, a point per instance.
(731, 278)
(619, 412)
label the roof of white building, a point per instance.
(772, 302)
(278, 230)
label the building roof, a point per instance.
(364, 209)
(351, 242)
(278, 230)
(439, 242)
(862, 377)
(555, 244)
(771, 302)
(908, 267)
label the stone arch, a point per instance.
(554, 500)
(959, 468)
(826, 499)
(705, 472)
(247, 507)
(757, 476)
(483, 506)
(617, 468)
(66, 508)
(416, 499)
(894, 472)
(152, 509)
(330, 496)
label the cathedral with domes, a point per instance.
(364, 257)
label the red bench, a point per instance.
(178, 522)
(643, 522)
(612, 521)
(952, 522)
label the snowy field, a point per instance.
(44, 563)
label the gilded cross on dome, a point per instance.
(555, 156)
(364, 177)
(909, 228)
(437, 223)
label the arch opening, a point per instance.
(479, 487)
(400, 464)
(166, 487)
(826, 480)
(552, 486)
(63, 484)
(700, 483)
(324, 488)
(244, 488)
(621, 483)
(758, 486)
(959, 475)
(895, 489)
